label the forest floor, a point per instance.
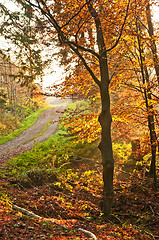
(72, 199)
(76, 203)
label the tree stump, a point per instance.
(136, 153)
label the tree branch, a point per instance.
(121, 31)
(85, 64)
(65, 40)
(47, 14)
(100, 39)
(74, 15)
(84, 49)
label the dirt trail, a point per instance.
(35, 133)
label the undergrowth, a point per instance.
(17, 125)
(68, 188)
(61, 149)
(54, 154)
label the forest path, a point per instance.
(38, 132)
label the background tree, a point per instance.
(137, 48)
(152, 39)
(19, 28)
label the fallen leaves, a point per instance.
(79, 207)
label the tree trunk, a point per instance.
(151, 125)
(105, 119)
(105, 147)
(136, 150)
(149, 107)
(153, 43)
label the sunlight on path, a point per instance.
(57, 101)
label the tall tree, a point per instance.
(152, 40)
(138, 50)
(148, 102)
(71, 21)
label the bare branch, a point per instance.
(50, 220)
(100, 39)
(80, 29)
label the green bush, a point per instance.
(122, 151)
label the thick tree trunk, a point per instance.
(105, 147)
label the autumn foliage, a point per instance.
(109, 52)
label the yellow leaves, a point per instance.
(86, 126)
(2, 127)
(121, 119)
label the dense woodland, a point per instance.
(97, 177)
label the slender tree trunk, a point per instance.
(153, 43)
(149, 107)
(105, 147)
(151, 123)
(153, 137)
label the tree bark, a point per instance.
(105, 147)
(149, 107)
(153, 43)
(105, 119)
(136, 150)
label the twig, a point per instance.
(127, 173)
(150, 234)
(80, 158)
(117, 218)
(152, 210)
(89, 234)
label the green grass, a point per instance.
(30, 120)
(42, 156)
(56, 153)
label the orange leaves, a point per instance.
(30, 11)
(86, 126)
(5, 208)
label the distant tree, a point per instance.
(152, 39)
(18, 28)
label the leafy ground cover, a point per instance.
(61, 179)
(73, 199)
